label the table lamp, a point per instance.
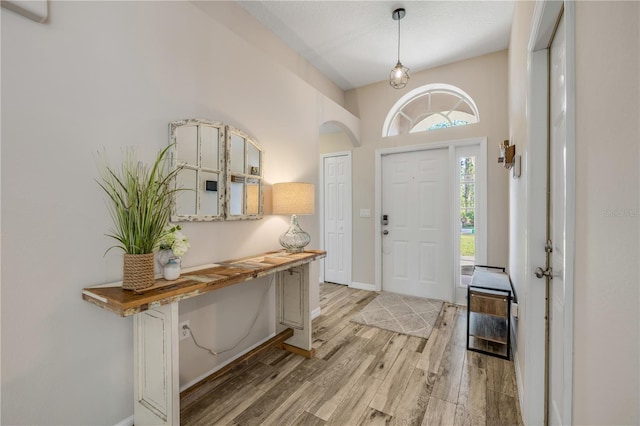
(293, 198)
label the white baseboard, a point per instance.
(363, 286)
(126, 422)
(516, 365)
(519, 384)
(315, 313)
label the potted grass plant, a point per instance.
(140, 198)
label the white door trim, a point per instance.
(451, 145)
(348, 213)
(531, 388)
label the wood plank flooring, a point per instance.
(364, 376)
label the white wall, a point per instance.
(236, 19)
(606, 387)
(110, 75)
(531, 379)
(485, 79)
(607, 322)
(334, 142)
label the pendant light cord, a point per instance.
(399, 18)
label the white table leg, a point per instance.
(156, 367)
(292, 307)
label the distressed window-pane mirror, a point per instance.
(199, 147)
(244, 177)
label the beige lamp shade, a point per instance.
(293, 198)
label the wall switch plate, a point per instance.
(184, 332)
(365, 212)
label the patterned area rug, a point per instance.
(410, 315)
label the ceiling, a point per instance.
(355, 43)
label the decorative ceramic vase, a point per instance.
(138, 271)
(164, 256)
(171, 271)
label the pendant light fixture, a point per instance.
(399, 74)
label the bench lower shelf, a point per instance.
(488, 333)
(488, 327)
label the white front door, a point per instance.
(416, 244)
(559, 405)
(337, 218)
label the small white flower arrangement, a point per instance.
(173, 239)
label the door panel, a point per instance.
(416, 258)
(428, 256)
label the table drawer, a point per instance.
(489, 304)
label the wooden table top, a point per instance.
(195, 282)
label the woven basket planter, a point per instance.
(138, 271)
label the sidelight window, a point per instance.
(467, 182)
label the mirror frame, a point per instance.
(226, 175)
(221, 189)
(244, 176)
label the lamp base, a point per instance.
(294, 240)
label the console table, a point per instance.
(155, 312)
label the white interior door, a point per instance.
(337, 218)
(416, 247)
(550, 194)
(559, 407)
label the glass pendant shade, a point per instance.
(293, 198)
(399, 76)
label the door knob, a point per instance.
(544, 273)
(385, 232)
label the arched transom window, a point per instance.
(430, 107)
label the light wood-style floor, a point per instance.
(365, 376)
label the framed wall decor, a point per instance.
(220, 172)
